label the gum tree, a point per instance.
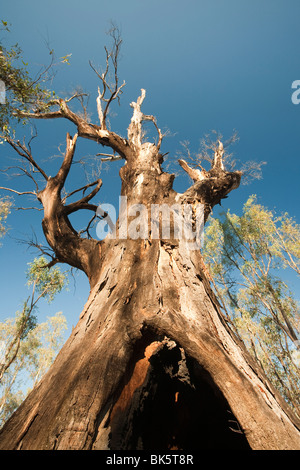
(246, 256)
(29, 348)
(151, 363)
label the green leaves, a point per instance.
(23, 93)
(66, 59)
(25, 321)
(246, 256)
(4, 25)
(36, 352)
(27, 347)
(5, 206)
(47, 282)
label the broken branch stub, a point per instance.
(135, 129)
(211, 186)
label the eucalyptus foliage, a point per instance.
(5, 206)
(248, 257)
(36, 353)
(23, 92)
(28, 348)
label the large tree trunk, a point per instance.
(151, 364)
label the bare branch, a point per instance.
(218, 157)
(252, 170)
(66, 165)
(83, 188)
(85, 129)
(20, 193)
(160, 135)
(108, 157)
(83, 202)
(39, 115)
(28, 208)
(33, 136)
(114, 89)
(43, 74)
(52, 263)
(71, 208)
(32, 242)
(135, 131)
(111, 158)
(23, 171)
(211, 186)
(76, 95)
(196, 175)
(99, 106)
(24, 152)
(86, 230)
(212, 150)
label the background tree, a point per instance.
(152, 355)
(246, 256)
(27, 346)
(36, 353)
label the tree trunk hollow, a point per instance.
(152, 364)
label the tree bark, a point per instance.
(151, 363)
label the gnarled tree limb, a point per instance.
(210, 187)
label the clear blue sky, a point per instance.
(206, 64)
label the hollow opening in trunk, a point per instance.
(177, 407)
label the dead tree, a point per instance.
(151, 363)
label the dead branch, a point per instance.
(87, 229)
(84, 129)
(83, 189)
(27, 208)
(19, 193)
(24, 152)
(218, 156)
(135, 132)
(82, 203)
(107, 157)
(195, 174)
(23, 171)
(67, 162)
(110, 91)
(160, 135)
(71, 208)
(211, 186)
